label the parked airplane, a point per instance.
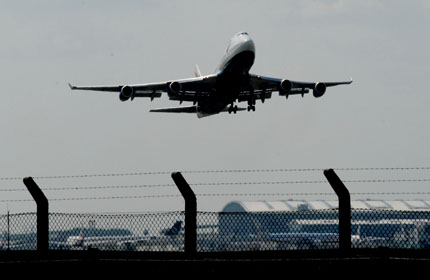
(112, 242)
(306, 239)
(231, 82)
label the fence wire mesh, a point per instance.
(219, 232)
(18, 231)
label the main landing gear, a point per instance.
(232, 109)
(251, 105)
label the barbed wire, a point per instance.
(203, 184)
(96, 198)
(90, 187)
(221, 171)
(216, 195)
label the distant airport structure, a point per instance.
(374, 223)
(293, 205)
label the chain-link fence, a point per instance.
(219, 232)
(18, 231)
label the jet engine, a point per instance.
(319, 89)
(174, 88)
(286, 86)
(126, 93)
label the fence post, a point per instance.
(42, 214)
(344, 209)
(190, 212)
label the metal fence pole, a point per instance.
(8, 230)
(190, 212)
(344, 209)
(42, 214)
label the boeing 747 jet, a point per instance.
(231, 83)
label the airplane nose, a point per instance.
(249, 45)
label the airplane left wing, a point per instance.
(183, 90)
(265, 85)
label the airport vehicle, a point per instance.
(218, 92)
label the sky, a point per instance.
(381, 120)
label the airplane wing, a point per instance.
(200, 88)
(261, 87)
(192, 89)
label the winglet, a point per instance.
(72, 87)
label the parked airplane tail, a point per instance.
(174, 230)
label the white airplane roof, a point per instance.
(292, 205)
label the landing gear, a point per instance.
(251, 105)
(232, 109)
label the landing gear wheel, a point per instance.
(232, 109)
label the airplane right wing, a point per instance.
(191, 89)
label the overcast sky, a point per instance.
(381, 120)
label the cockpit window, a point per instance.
(233, 39)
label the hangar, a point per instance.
(252, 217)
(297, 205)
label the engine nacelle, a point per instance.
(126, 93)
(174, 88)
(286, 86)
(319, 89)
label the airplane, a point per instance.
(231, 82)
(305, 239)
(309, 240)
(112, 242)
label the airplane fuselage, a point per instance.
(232, 74)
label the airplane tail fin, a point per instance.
(197, 72)
(174, 230)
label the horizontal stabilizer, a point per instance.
(191, 109)
(226, 109)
